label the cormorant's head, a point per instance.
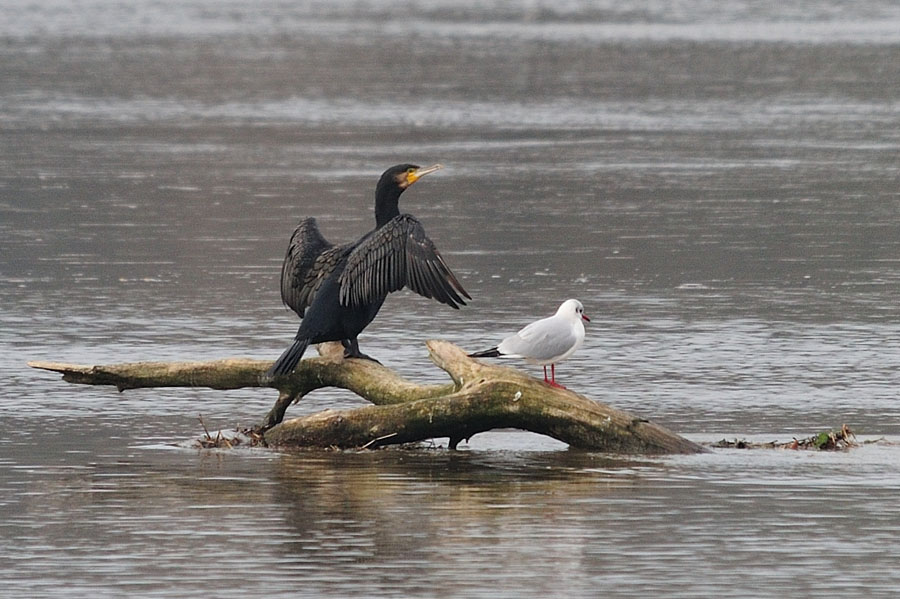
(392, 183)
(404, 175)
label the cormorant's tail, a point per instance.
(488, 353)
(286, 363)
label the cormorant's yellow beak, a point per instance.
(413, 176)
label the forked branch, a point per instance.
(481, 397)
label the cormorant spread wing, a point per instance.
(310, 258)
(398, 255)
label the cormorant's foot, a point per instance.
(359, 355)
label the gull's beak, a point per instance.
(584, 317)
(419, 173)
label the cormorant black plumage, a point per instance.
(338, 289)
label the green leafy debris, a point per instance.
(832, 440)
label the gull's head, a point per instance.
(572, 308)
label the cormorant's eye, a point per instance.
(410, 170)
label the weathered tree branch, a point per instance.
(482, 397)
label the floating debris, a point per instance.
(246, 438)
(833, 440)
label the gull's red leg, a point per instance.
(552, 382)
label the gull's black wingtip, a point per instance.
(488, 353)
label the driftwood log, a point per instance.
(482, 396)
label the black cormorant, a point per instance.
(338, 290)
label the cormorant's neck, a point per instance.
(387, 197)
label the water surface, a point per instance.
(716, 181)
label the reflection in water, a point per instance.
(716, 181)
(355, 512)
(415, 523)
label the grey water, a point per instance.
(718, 183)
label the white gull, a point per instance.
(547, 341)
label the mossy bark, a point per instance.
(482, 397)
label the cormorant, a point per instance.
(547, 341)
(338, 289)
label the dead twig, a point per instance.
(377, 440)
